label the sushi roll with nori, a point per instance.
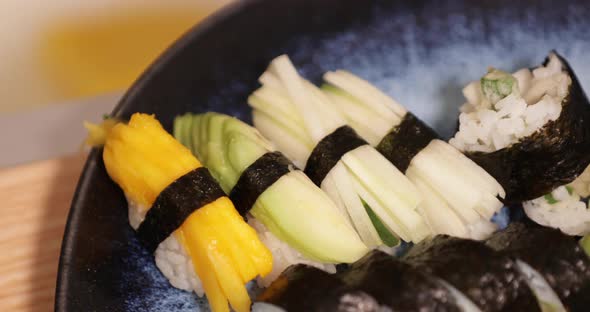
(459, 197)
(281, 203)
(489, 278)
(200, 242)
(305, 288)
(377, 198)
(564, 208)
(559, 260)
(530, 129)
(400, 287)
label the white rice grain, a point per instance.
(487, 128)
(566, 211)
(283, 255)
(171, 258)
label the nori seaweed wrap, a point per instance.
(553, 155)
(398, 285)
(305, 288)
(406, 140)
(556, 256)
(488, 278)
(437, 169)
(269, 191)
(298, 118)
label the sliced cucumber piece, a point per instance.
(307, 220)
(344, 193)
(293, 208)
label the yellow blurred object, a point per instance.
(85, 57)
(143, 159)
(61, 51)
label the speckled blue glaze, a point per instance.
(420, 53)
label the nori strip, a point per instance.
(398, 285)
(305, 288)
(556, 256)
(329, 150)
(259, 176)
(406, 140)
(553, 156)
(175, 203)
(490, 279)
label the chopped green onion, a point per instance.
(497, 84)
(570, 190)
(550, 199)
(388, 239)
(105, 116)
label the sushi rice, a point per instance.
(175, 264)
(282, 254)
(510, 107)
(171, 258)
(564, 208)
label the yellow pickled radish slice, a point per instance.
(162, 145)
(247, 238)
(144, 149)
(150, 154)
(152, 128)
(225, 251)
(226, 239)
(213, 255)
(196, 250)
(230, 280)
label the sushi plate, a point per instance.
(419, 52)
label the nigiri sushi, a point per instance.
(459, 197)
(284, 206)
(296, 117)
(200, 242)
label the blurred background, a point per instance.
(64, 61)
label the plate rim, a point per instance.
(200, 29)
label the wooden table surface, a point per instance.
(35, 202)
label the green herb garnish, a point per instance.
(388, 239)
(497, 84)
(550, 199)
(570, 190)
(105, 116)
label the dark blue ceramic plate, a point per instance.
(420, 52)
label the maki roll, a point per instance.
(555, 261)
(377, 198)
(377, 282)
(180, 213)
(564, 208)
(305, 288)
(530, 129)
(490, 279)
(279, 201)
(400, 287)
(459, 197)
